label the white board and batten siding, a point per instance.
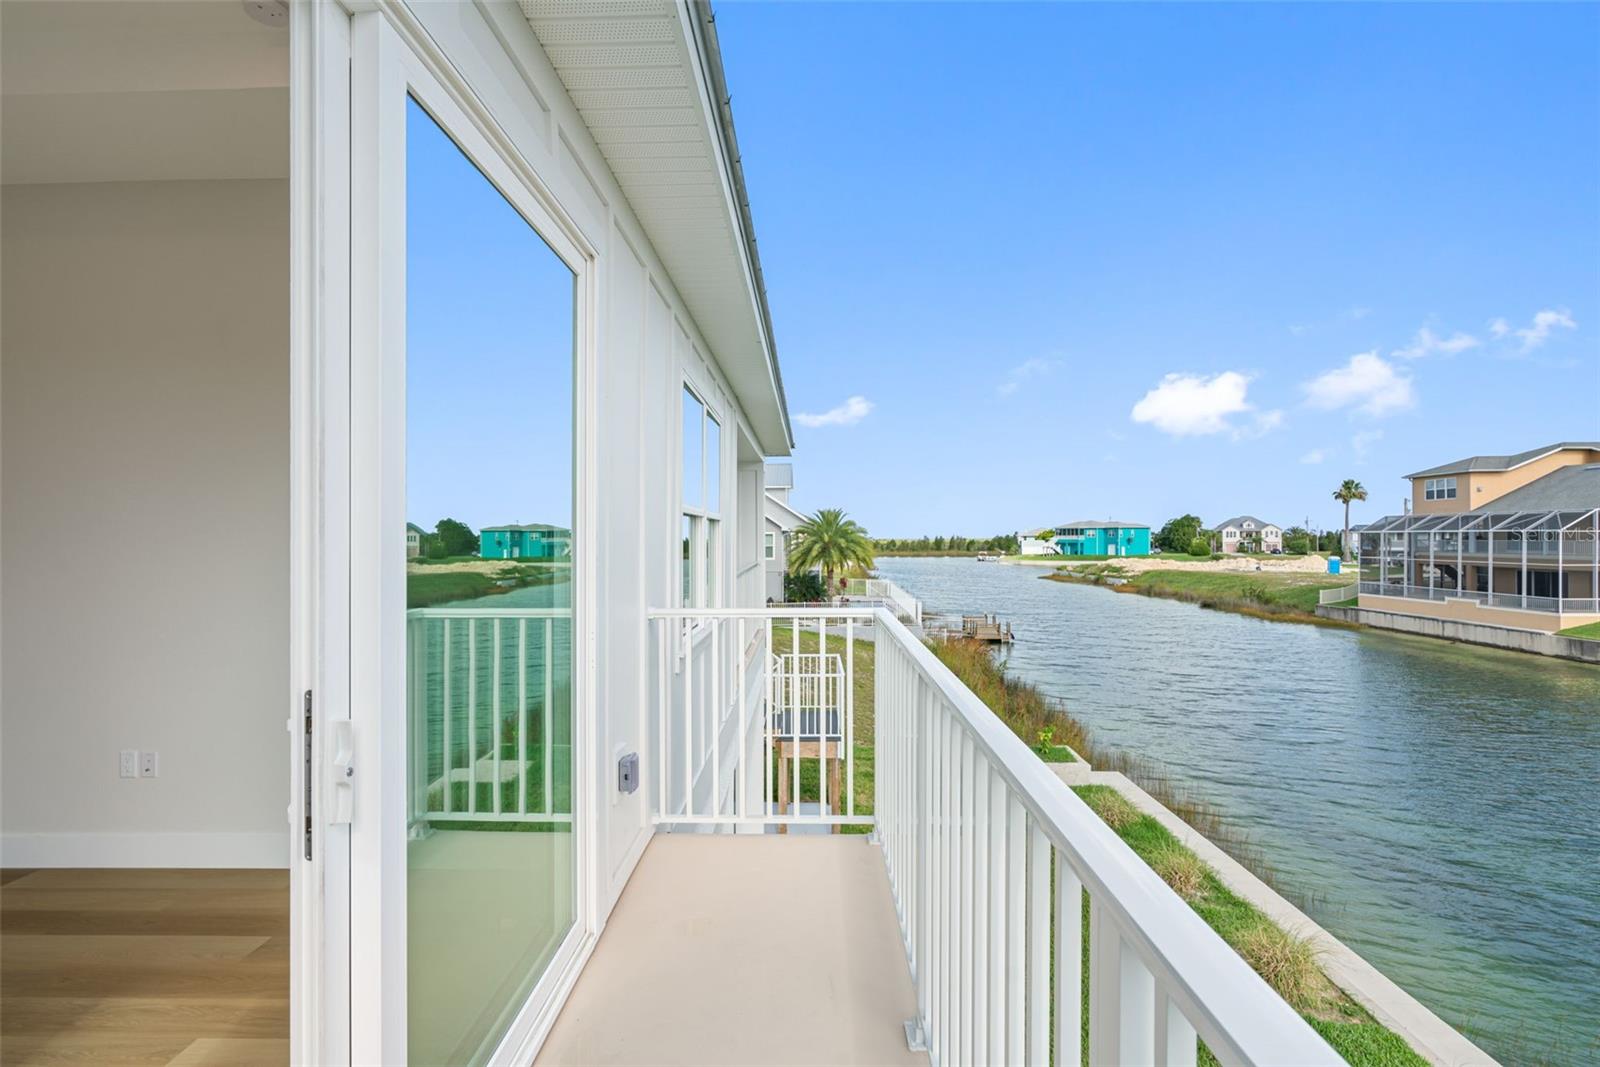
(649, 345)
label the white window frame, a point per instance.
(1439, 489)
(769, 545)
(706, 588)
(392, 57)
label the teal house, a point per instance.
(533, 540)
(1109, 538)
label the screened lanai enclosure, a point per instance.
(1543, 561)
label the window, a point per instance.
(771, 550)
(1439, 489)
(702, 502)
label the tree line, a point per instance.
(1000, 544)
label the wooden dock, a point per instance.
(988, 629)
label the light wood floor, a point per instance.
(177, 967)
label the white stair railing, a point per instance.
(754, 709)
(908, 607)
(990, 857)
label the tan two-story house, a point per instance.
(1508, 540)
(1477, 480)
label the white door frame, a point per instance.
(319, 186)
(391, 57)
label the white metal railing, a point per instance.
(489, 699)
(902, 603)
(990, 856)
(753, 713)
(1343, 592)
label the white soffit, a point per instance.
(635, 74)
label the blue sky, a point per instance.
(1038, 262)
(488, 349)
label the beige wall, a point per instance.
(1480, 487)
(1471, 611)
(144, 522)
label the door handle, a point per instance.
(341, 771)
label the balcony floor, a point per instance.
(745, 950)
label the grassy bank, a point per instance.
(1591, 632)
(1028, 711)
(429, 588)
(1290, 597)
(1287, 963)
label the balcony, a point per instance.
(762, 925)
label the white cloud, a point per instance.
(1316, 455)
(1362, 443)
(1358, 313)
(1191, 405)
(1426, 343)
(1498, 328)
(1368, 383)
(1264, 423)
(1538, 331)
(849, 413)
(1031, 368)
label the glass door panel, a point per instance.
(489, 634)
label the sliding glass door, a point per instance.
(467, 563)
(489, 651)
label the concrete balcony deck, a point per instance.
(745, 949)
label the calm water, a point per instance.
(1437, 807)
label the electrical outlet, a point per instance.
(149, 764)
(128, 763)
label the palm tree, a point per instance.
(830, 542)
(1348, 491)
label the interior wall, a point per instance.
(144, 522)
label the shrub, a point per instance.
(1181, 869)
(1288, 963)
(1256, 593)
(803, 587)
(1200, 547)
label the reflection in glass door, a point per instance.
(489, 662)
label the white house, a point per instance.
(1246, 533)
(781, 522)
(277, 276)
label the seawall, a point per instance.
(1472, 633)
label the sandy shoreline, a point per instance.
(1233, 564)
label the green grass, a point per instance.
(1287, 963)
(1055, 753)
(1290, 597)
(426, 590)
(1271, 592)
(1589, 632)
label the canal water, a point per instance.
(1435, 806)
